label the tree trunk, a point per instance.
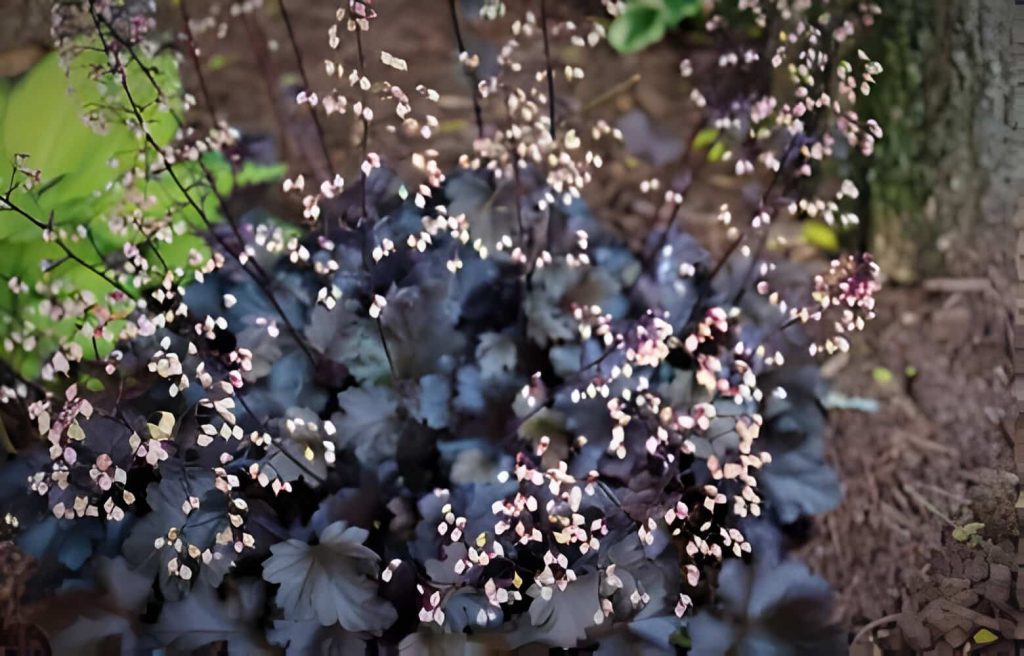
(940, 172)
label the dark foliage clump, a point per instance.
(443, 411)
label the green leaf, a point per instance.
(821, 235)
(677, 10)
(644, 22)
(249, 173)
(5, 97)
(638, 27)
(43, 117)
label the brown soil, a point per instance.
(929, 461)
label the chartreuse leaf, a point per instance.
(881, 375)
(249, 173)
(42, 115)
(717, 152)
(5, 96)
(705, 138)
(43, 118)
(968, 532)
(821, 235)
(984, 637)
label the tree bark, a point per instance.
(940, 172)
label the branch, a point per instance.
(306, 84)
(118, 71)
(547, 65)
(71, 255)
(194, 56)
(463, 53)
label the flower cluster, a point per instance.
(456, 408)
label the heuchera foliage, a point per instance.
(450, 410)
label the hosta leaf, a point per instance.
(333, 582)
(41, 115)
(43, 118)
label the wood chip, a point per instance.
(958, 285)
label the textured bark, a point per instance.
(26, 22)
(24, 34)
(1015, 176)
(940, 171)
